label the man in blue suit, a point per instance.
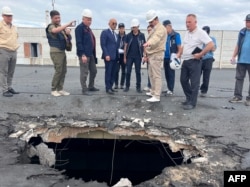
(110, 54)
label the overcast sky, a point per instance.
(218, 14)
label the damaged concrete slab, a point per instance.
(210, 139)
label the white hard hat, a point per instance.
(175, 62)
(151, 15)
(7, 11)
(87, 13)
(135, 23)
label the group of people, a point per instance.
(122, 51)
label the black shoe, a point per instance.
(93, 89)
(86, 93)
(110, 92)
(7, 94)
(139, 90)
(188, 107)
(113, 90)
(121, 87)
(126, 89)
(116, 87)
(13, 91)
(185, 102)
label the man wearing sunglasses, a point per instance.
(110, 54)
(8, 52)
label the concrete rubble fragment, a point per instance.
(124, 182)
(46, 156)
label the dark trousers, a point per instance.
(129, 65)
(206, 69)
(121, 65)
(190, 79)
(149, 83)
(241, 70)
(110, 69)
(85, 69)
(169, 74)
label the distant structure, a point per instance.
(53, 4)
(47, 19)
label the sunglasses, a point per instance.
(114, 23)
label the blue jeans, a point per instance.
(129, 65)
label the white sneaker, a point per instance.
(146, 89)
(165, 91)
(153, 99)
(63, 93)
(149, 94)
(169, 93)
(55, 93)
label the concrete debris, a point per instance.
(124, 182)
(147, 120)
(16, 134)
(170, 114)
(139, 122)
(125, 123)
(148, 111)
(46, 156)
(26, 136)
(229, 108)
(199, 160)
(32, 151)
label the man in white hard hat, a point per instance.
(8, 52)
(133, 53)
(155, 47)
(57, 36)
(86, 52)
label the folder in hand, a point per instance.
(196, 50)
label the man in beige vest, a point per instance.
(8, 52)
(155, 47)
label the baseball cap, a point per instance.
(7, 11)
(166, 22)
(248, 17)
(121, 25)
(206, 28)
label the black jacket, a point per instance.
(141, 41)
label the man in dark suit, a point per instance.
(110, 54)
(86, 52)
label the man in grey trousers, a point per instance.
(8, 52)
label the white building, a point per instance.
(34, 48)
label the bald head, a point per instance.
(112, 23)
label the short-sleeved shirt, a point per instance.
(194, 39)
(210, 54)
(53, 49)
(244, 57)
